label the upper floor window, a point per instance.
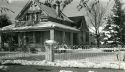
(35, 16)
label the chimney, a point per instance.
(58, 7)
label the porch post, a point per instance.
(49, 46)
(63, 36)
(71, 38)
(24, 39)
(52, 34)
(19, 40)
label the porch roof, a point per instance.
(38, 27)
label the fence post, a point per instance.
(120, 56)
(49, 48)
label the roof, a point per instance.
(25, 7)
(17, 6)
(80, 21)
(50, 11)
(39, 26)
(77, 18)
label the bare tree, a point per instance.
(5, 9)
(96, 12)
(62, 3)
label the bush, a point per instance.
(33, 50)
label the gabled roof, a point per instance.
(25, 7)
(80, 22)
(77, 19)
(48, 10)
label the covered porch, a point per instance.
(35, 36)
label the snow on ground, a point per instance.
(71, 63)
(109, 61)
(16, 55)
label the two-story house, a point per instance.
(38, 22)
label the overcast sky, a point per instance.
(17, 5)
(70, 10)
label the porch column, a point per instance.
(71, 38)
(63, 36)
(24, 39)
(52, 34)
(19, 40)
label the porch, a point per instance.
(34, 36)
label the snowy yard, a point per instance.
(76, 61)
(17, 68)
(74, 55)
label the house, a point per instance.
(38, 22)
(80, 23)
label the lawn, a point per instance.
(90, 56)
(18, 68)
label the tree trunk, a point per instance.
(97, 39)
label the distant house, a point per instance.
(37, 22)
(83, 35)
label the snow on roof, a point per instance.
(39, 26)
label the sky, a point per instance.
(17, 5)
(70, 10)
